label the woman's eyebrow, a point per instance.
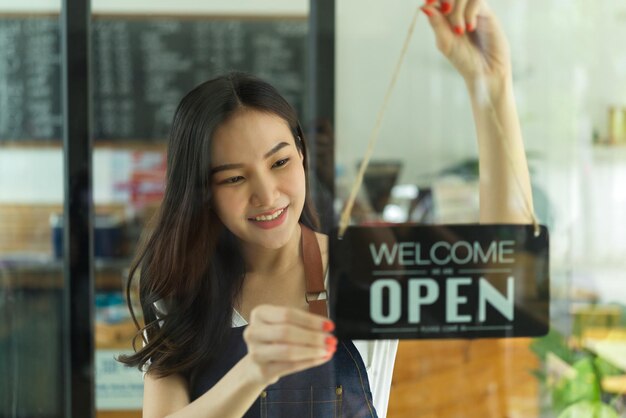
(275, 149)
(225, 167)
(234, 166)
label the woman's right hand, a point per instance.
(285, 340)
(469, 35)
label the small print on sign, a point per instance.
(445, 281)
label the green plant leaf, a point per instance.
(553, 342)
(584, 387)
(605, 368)
(588, 409)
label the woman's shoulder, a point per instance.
(322, 240)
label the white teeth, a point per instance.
(270, 217)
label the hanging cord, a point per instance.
(344, 220)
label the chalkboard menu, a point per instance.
(141, 68)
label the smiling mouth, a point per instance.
(271, 217)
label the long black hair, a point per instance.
(188, 261)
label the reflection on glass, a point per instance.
(143, 64)
(569, 87)
(570, 77)
(31, 276)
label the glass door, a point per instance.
(145, 58)
(569, 82)
(33, 334)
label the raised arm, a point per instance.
(470, 36)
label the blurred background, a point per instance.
(333, 61)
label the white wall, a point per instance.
(35, 176)
(569, 67)
(31, 176)
(428, 96)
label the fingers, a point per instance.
(478, 50)
(287, 334)
(471, 14)
(457, 17)
(271, 314)
(287, 329)
(284, 340)
(461, 16)
(289, 353)
(446, 6)
(441, 28)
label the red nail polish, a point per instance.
(331, 341)
(429, 2)
(446, 7)
(459, 30)
(428, 12)
(328, 326)
(470, 27)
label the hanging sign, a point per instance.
(444, 281)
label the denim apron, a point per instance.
(337, 389)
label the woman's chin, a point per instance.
(275, 238)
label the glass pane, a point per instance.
(145, 60)
(31, 199)
(569, 78)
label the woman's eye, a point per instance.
(281, 163)
(232, 180)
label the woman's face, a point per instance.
(257, 178)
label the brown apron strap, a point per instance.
(313, 272)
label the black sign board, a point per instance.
(443, 281)
(142, 67)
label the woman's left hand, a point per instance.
(470, 36)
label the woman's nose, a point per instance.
(264, 192)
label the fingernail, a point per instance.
(459, 30)
(446, 7)
(328, 326)
(331, 341)
(428, 12)
(470, 27)
(331, 348)
(429, 2)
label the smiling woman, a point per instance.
(258, 178)
(232, 266)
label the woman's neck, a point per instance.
(264, 261)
